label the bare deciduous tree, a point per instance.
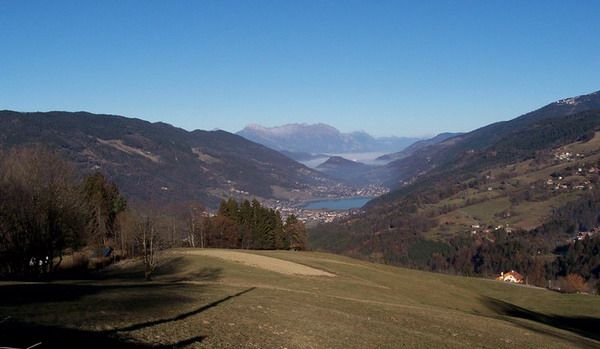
(196, 225)
(149, 241)
(41, 211)
(150, 244)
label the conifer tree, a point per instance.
(105, 203)
(295, 234)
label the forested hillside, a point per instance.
(517, 202)
(161, 163)
(445, 153)
(418, 145)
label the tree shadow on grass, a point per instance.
(122, 290)
(18, 334)
(585, 326)
(182, 315)
(128, 283)
(169, 269)
(23, 335)
(23, 294)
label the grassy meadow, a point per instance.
(203, 301)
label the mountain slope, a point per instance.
(159, 162)
(321, 138)
(456, 148)
(337, 162)
(348, 171)
(411, 149)
(509, 195)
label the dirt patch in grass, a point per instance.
(268, 263)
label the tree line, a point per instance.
(53, 219)
(46, 211)
(247, 225)
(546, 256)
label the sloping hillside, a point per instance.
(212, 300)
(520, 144)
(157, 162)
(515, 203)
(416, 146)
(350, 172)
(446, 153)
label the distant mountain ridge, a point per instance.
(337, 161)
(321, 138)
(454, 151)
(161, 163)
(348, 171)
(411, 149)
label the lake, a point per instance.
(338, 204)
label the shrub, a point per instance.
(573, 283)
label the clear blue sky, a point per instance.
(402, 68)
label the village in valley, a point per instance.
(315, 216)
(312, 216)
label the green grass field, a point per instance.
(202, 301)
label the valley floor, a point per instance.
(281, 299)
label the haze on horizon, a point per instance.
(390, 68)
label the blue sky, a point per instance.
(387, 67)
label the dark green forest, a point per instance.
(249, 225)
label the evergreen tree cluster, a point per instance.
(249, 225)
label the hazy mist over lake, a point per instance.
(365, 158)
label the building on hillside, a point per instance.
(511, 276)
(583, 234)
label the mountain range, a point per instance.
(321, 138)
(469, 147)
(159, 163)
(512, 194)
(526, 185)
